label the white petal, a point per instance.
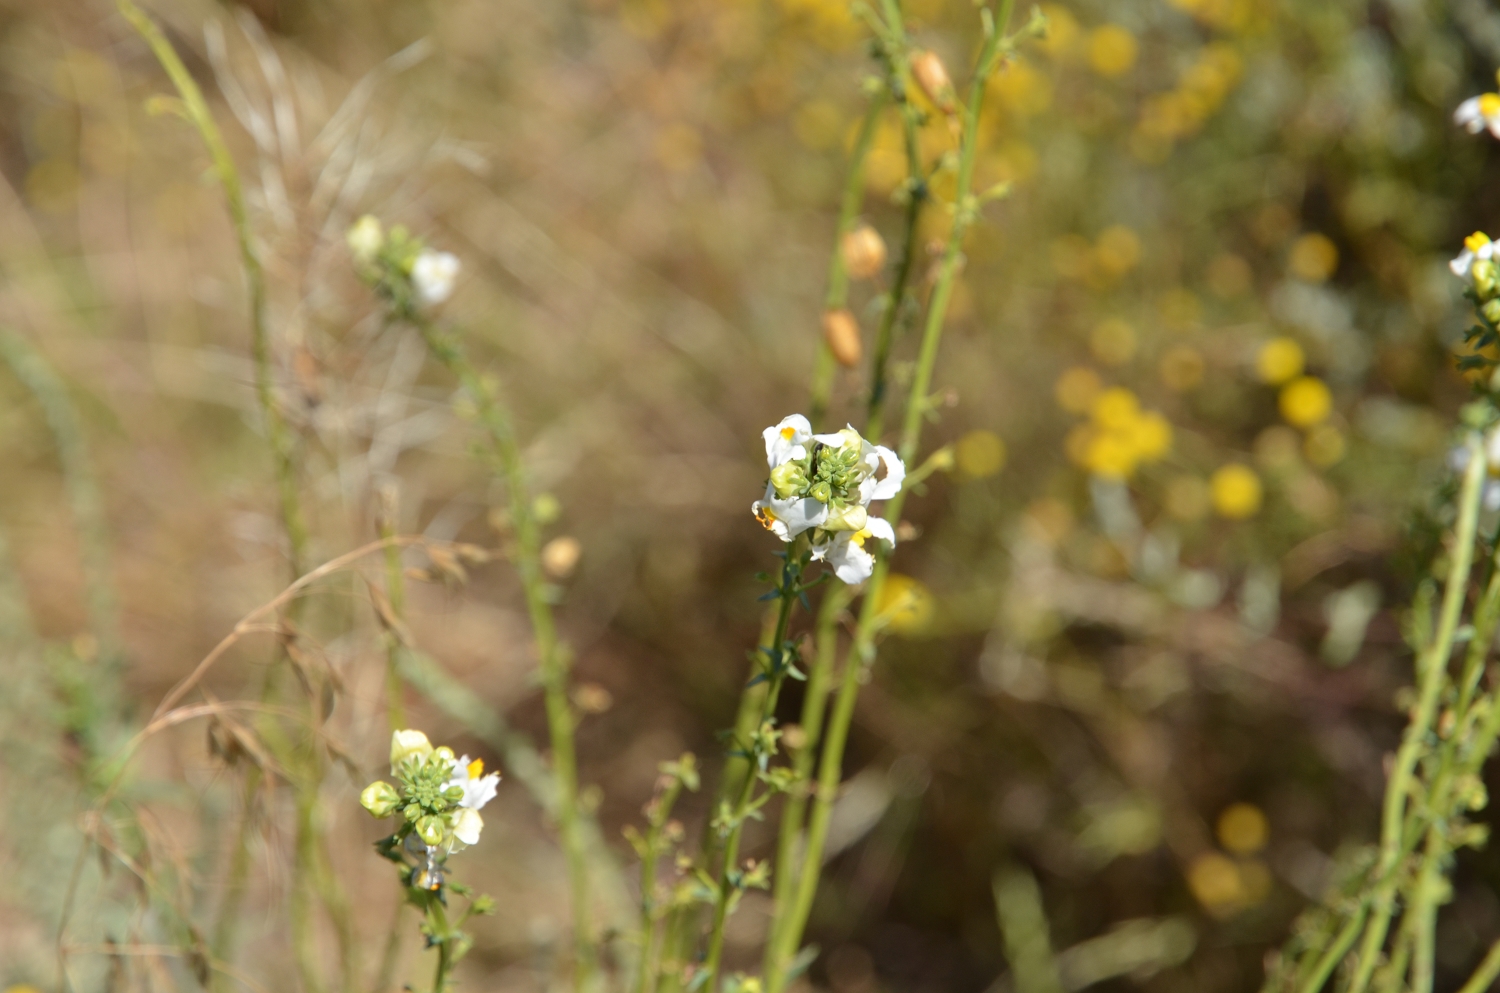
(895, 473)
(467, 825)
(851, 563)
(405, 744)
(785, 441)
(480, 791)
(789, 518)
(433, 274)
(1462, 263)
(1491, 495)
(881, 528)
(1467, 114)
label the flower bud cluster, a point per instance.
(436, 794)
(824, 484)
(400, 266)
(1476, 265)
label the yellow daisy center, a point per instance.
(476, 768)
(1476, 241)
(1489, 104)
(787, 433)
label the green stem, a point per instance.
(814, 707)
(551, 658)
(791, 577)
(649, 914)
(1335, 952)
(1432, 667)
(1486, 974)
(862, 652)
(838, 277)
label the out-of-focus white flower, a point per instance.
(466, 827)
(1478, 113)
(1477, 246)
(405, 744)
(787, 441)
(845, 550)
(478, 788)
(365, 238)
(433, 274)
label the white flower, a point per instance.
(466, 827)
(478, 788)
(786, 441)
(1479, 113)
(873, 456)
(433, 274)
(845, 551)
(365, 238)
(405, 744)
(788, 518)
(1476, 246)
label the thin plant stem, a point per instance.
(1334, 953)
(1432, 667)
(650, 917)
(862, 651)
(1486, 974)
(552, 660)
(790, 583)
(838, 276)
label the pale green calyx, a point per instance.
(380, 799)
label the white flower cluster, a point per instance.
(1479, 113)
(381, 256)
(825, 483)
(438, 794)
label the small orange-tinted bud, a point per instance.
(933, 77)
(864, 252)
(841, 331)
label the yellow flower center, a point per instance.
(1476, 241)
(476, 768)
(787, 433)
(1489, 105)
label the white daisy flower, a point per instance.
(790, 517)
(478, 788)
(786, 442)
(433, 274)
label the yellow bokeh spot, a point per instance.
(1215, 881)
(1305, 401)
(1061, 39)
(1279, 360)
(1243, 829)
(679, 147)
(1110, 455)
(980, 454)
(1112, 50)
(1325, 446)
(1117, 250)
(1113, 341)
(1023, 89)
(1229, 276)
(1187, 499)
(1181, 368)
(1115, 409)
(905, 604)
(1150, 435)
(1076, 389)
(1314, 258)
(1235, 491)
(1179, 308)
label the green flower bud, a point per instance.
(1491, 311)
(1486, 278)
(380, 798)
(430, 829)
(412, 811)
(821, 491)
(788, 480)
(453, 794)
(849, 518)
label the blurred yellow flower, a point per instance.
(1325, 446)
(1112, 50)
(1119, 437)
(1235, 490)
(1243, 829)
(1115, 409)
(1117, 250)
(1215, 881)
(1279, 360)
(1076, 389)
(1110, 455)
(1023, 89)
(1179, 308)
(905, 604)
(1181, 368)
(1112, 341)
(1314, 257)
(1187, 498)
(1305, 401)
(1061, 38)
(1229, 276)
(1150, 435)
(980, 454)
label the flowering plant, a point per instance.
(438, 797)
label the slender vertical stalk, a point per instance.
(650, 917)
(838, 277)
(790, 589)
(862, 652)
(1432, 667)
(1486, 974)
(552, 659)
